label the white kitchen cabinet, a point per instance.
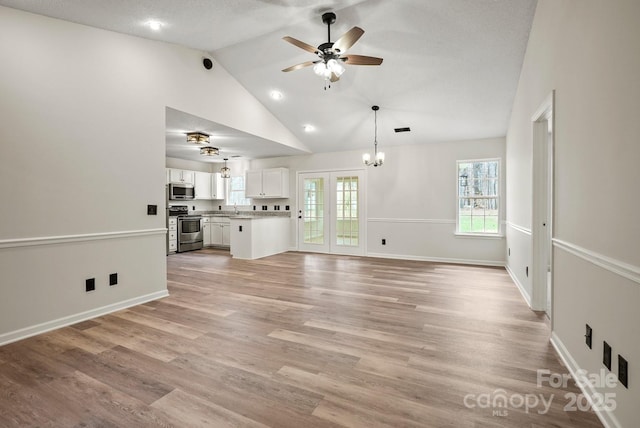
(206, 231)
(219, 231)
(253, 184)
(202, 185)
(226, 234)
(180, 175)
(217, 186)
(172, 235)
(267, 183)
(208, 185)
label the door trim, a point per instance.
(363, 204)
(542, 206)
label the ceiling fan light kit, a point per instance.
(378, 157)
(330, 66)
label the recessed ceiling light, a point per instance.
(308, 128)
(154, 25)
(276, 95)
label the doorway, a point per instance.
(331, 214)
(542, 206)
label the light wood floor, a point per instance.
(295, 340)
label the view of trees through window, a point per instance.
(478, 196)
(235, 191)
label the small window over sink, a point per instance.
(236, 191)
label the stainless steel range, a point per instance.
(189, 228)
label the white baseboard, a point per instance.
(606, 417)
(520, 287)
(23, 333)
(437, 259)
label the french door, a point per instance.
(331, 212)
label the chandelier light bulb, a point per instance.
(335, 67)
(319, 68)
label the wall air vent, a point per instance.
(405, 129)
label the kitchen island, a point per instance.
(253, 237)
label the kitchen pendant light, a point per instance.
(209, 151)
(225, 171)
(197, 138)
(378, 157)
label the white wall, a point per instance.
(587, 51)
(82, 153)
(411, 199)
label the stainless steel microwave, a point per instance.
(181, 191)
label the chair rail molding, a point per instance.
(65, 239)
(618, 267)
(412, 220)
(522, 229)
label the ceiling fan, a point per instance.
(332, 54)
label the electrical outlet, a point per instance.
(240, 228)
(152, 210)
(526, 271)
(113, 279)
(588, 335)
(384, 241)
(606, 355)
(90, 285)
(623, 371)
(509, 251)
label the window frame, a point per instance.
(227, 191)
(498, 198)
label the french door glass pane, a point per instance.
(347, 232)
(314, 211)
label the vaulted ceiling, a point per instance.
(450, 69)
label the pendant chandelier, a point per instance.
(378, 157)
(225, 171)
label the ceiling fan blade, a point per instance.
(334, 78)
(361, 60)
(348, 39)
(301, 45)
(299, 66)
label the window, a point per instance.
(478, 196)
(314, 210)
(235, 191)
(347, 211)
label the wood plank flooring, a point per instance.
(296, 340)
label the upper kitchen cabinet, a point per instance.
(267, 183)
(208, 185)
(180, 176)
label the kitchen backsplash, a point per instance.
(200, 206)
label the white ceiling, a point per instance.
(232, 143)
(450, 67)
